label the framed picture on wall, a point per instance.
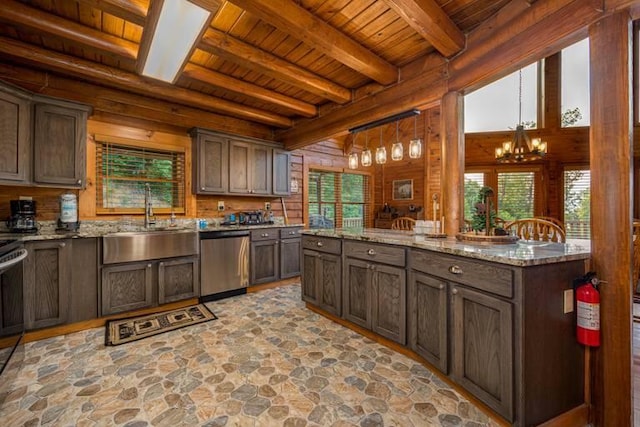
(403, 189)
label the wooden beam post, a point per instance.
(611, 215)
(452, 131)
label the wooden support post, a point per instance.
(452, 162)
(611, 215)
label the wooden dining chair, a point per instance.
(556, 221)
(403, 223)
(536, 229)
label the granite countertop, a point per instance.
(47, 229)
(520, 254)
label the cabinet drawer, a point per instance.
(265, 234)
(486, 277)
(391, 255)
(290, 232)
(322, 244)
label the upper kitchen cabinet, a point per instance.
(59, 142)
(15, 135)
(229, 164)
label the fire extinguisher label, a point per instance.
(588, 315)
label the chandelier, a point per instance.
(522, 148)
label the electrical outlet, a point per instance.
(220, 205)
(568, 301)
(267, 206)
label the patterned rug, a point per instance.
(120, 331)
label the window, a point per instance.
(575, 103)
(516, 195)
(495, 106)
(122, 172)
(473, 182)
(577, 199)
(337, 199)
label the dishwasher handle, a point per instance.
(207, 235)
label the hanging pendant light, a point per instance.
(396, 148)
(365, 158)
(353, 157)
(381, 152)
(522, 148)
(415, 145)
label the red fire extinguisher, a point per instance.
(588, 310)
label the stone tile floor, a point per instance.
(267, 361)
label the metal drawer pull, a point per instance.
(320, 244)
(441, 286)
(371, 252)
(62, 245)
(454, 291)
(454, 269)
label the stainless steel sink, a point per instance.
(128, 246)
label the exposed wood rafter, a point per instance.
(432, 23)
(134, 11)
(107, 75)
(296, 21)
(244, 54)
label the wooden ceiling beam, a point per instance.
(241, 53)
(301, 24)
(134, 11)
(19, 14)
(214, 78)
(432, 23)
(129, 81)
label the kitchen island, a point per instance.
(495, 319)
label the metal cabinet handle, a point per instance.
(454, 291)
(148, 265)
(454, 269)
(371, 252)
(442, 286)
(161, 264)
(202, 188)
(320, 244)
(79, 181)
(292, 232)
(62, 245)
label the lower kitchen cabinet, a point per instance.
(47, 279)
(322, 273)
(84, 279)
(178, 279)
(389, 302)
(357, 292)
(11, 301)
(127, 287)
(290, 250)
(275, 254)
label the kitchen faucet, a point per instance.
(149, 218)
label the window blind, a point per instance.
(473, 182)
(337, 199)
(516, 191)
(577, 204)
(122, 172)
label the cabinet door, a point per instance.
(428, 318)
(126, 287)
(59, 145)
(310, 276)
(264, 261)
(212, 173)
(329, 271)
(483, 347)
(239, 167)
(260, 169)
(389, 302)
(357, 292)
(47, 277)
(290, 257)
(11, 301)
(281, 173)
(84, 279)
(15, 138)
(178, 279)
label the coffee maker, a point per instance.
(23, 217)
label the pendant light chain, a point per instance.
(520, 97)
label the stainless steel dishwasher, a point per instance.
(224, 263)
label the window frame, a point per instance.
(571, 167)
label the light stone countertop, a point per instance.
(520, 254)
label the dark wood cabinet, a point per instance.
(427, 319)
(211, 165)
(264, 258)
(321, 274)
(47, 279)
(59, 143)
(84, 279)
(15, 136)
(389, 302)
(249, 168)
(178, 279)
(357, 292)
(11, 301)
(281, 172)
(127, 287)
(290, 250)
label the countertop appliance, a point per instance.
(224, 264)
(248, 218)
(12, 253)
(23, 216)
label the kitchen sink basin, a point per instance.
(129, 246)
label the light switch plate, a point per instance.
(220, 205)
(568, 301)
(267, 206)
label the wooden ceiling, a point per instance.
(261, 67)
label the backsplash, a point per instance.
(47, 201)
